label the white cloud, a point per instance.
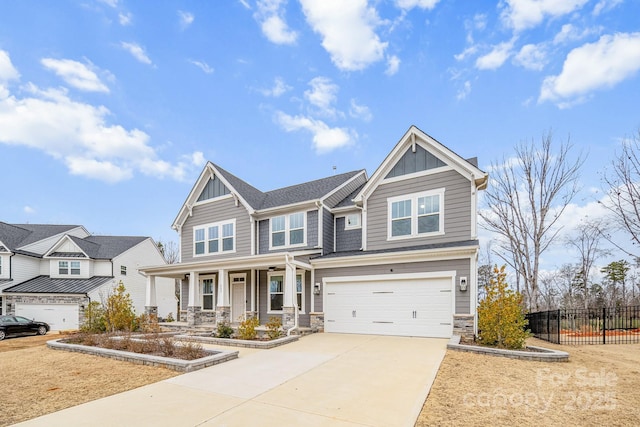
(245, 4)
(358, 111)
(494, 59)
(422, 4)
(270, 15)
(464, 91)
(79, 135)
(471, 50)
(29, 210)
(393, 65)
(605, 6)
(7, 70)
(278, 89)
(531, 57)
(110, 3)
(137, 51)
(203, 66)
(592, 66)
(323, 94)
(347, 30)
(524, 14)
(125, 18)
(569, 33)
(186, 19)
(325, 138)
(75, 74)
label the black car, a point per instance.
(18, 325)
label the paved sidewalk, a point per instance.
(320, 380)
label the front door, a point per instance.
(238, 300)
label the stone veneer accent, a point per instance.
(151, 310)
(463, 325)
(288, 317)
(317, 321)
(223, 314)
(193, 315)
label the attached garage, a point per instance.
(58, 316)
(418, 305)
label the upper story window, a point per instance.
(211, 239)
(288, 230)
(123, 270)
(352, 221)
(416, 215)
(66, 268)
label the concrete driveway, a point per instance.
(320, 380)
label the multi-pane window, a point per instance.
(352, 221)
(207, 294)
(288, 230)
(415, 215)
(66, 267)
(123, 270)
(215, 238)
(276, 291)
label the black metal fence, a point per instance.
(617, 325)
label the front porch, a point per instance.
(232, 290)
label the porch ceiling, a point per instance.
(265, 261)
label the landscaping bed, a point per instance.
(235, 342)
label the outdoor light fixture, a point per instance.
(463, 284)
(316, 288)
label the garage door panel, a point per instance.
(415, 307)
(58, 316)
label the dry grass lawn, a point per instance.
(600, 385)
(42, 380)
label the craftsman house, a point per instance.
(51, 272)
(394, 253)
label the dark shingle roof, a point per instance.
(307, 191)
(347, 201)
(18, 235)
(47, 285)
(401, 249)
(107, 247)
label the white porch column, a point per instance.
(223, 307)
(150, 304)
(253, 290)
(290, 301)
(195, 301)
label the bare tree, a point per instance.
(586, 241)
(623, 195)
(525, 198)
(171, 254)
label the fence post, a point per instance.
(558, 342)
(548, 324)
(604, 325)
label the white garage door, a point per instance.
(58, 316)
(408, 307)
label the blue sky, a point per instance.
(109, 109)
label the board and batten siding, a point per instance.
(347, 240)
(343, 192)
(263, 284)
(328, 245)
(212, 212)
(311, 230)
(461, 266)
(457, 209)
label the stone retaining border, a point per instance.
(149, 360)
(541, 354)
(238, 343)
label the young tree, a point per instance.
(623, 193)
(615, 274)
(523, 202)
(171, 254)
(118, 310)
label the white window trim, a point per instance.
(282, 273)
(69, 268)
(414, 214)
(206, 227)
(201, 279)
(353, 227)
(214, 199)
(413, 175)
(287, 231)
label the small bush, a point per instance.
(118, 311)
(501, 319)
(94, 320)
(147, 323)
(169, 318)
(274, 326)
(247, 328)
(224, 330)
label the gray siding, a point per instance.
(312, 235)
(339, 195)
(220, 210)
(457, 209)
(304, 319)
(461, 266)
(347, 240)
(328, 245)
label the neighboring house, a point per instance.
(52, 272)
(394, 253)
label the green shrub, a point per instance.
(169, 318)
(118, 311)
(224, 330)
(501, 318)
(274, 326)
(247, 328)
(94, 321)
